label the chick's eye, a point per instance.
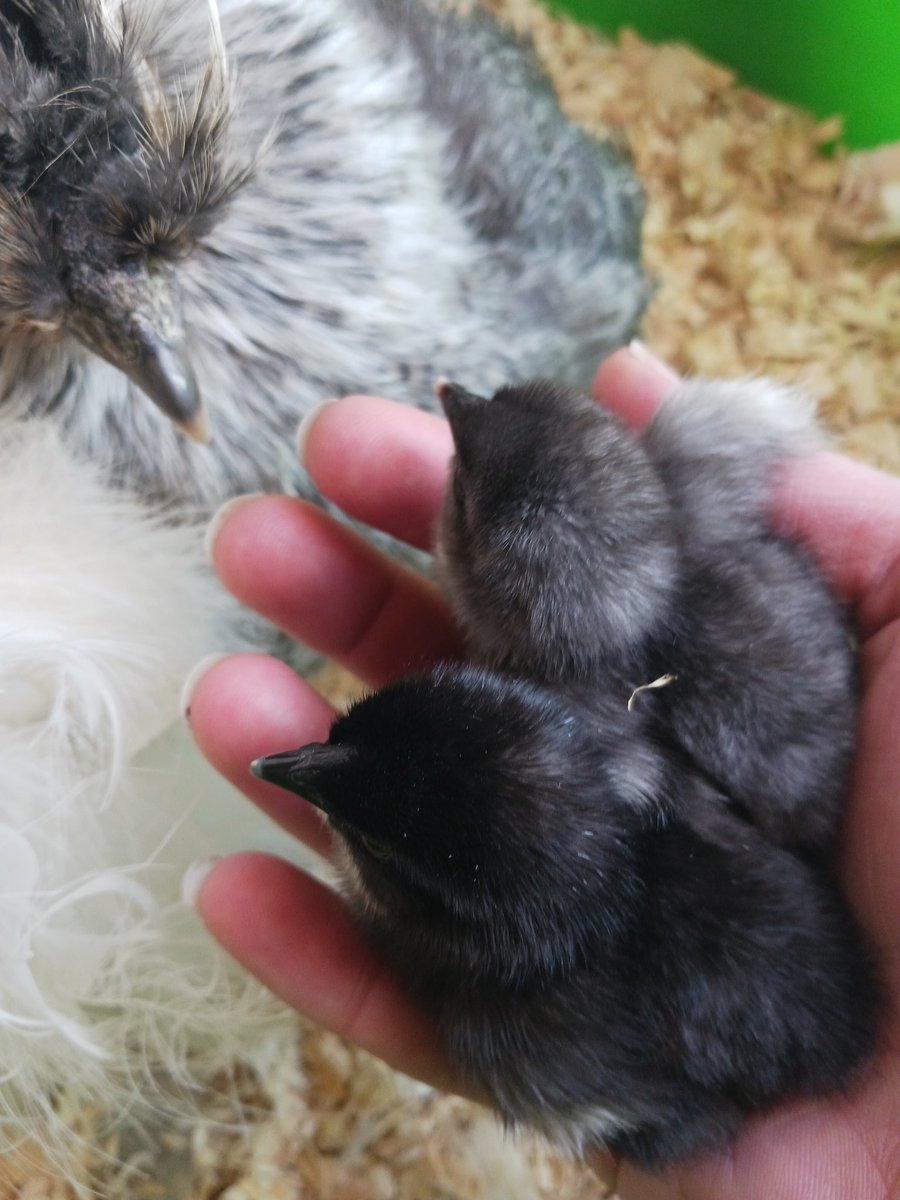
(460, 499)
(374, 846)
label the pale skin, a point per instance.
(387, 466)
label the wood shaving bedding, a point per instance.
(751, 236)
(868, 206)
(751, 229)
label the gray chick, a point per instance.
(611, 955)
(419, 204)
(576, 552)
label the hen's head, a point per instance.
(109, 174)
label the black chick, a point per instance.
(393, 191)
(576, 551)
(612, 957)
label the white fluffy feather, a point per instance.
(105, 979)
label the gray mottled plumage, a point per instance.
(575, 551)
(611, 955)
(388, 192)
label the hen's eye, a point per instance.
(131, 258)
(161, 243)
(173, 249)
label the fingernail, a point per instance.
(219, 518)
(650, 363)
(194, 676)
(305, 427)
(193, 879)
(641, 350)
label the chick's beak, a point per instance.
(276, 768)
(456, 401)
(132, 318)
(307, 772)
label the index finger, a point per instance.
(383, 463)
(322, 583)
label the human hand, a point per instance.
(386, 465)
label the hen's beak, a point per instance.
(132, 318)
(161, 369)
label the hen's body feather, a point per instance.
(109, 989)
(419, 205)
(422, 207)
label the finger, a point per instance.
(802, 1150)
(604, 1165)
(849, 516)
(383, 463)
(871, 835)
(295, 935)
(633, 383)
(248, 705)
(324, 585)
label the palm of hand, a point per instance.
(387, 466)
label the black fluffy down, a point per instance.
(618, 902)
(613, 956)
